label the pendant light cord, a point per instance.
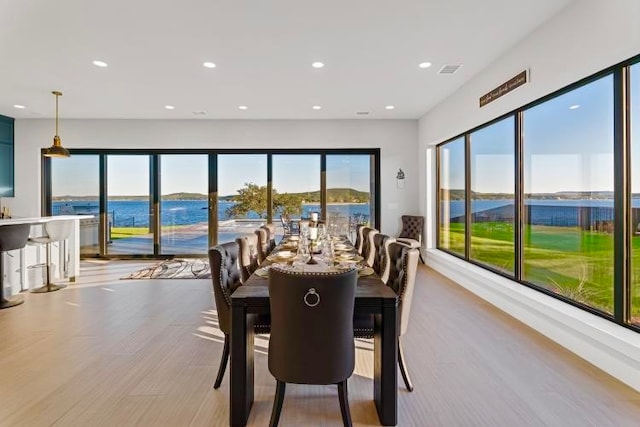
(56, 114)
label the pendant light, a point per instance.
(56, 150)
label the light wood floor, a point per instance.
(110, 352)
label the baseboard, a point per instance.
(610, 347)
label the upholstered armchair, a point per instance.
(411, 233)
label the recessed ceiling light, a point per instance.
(317, 64)
(19, 107)
(209, 65)
(169, 107)
(390, 107)
(100, 64)
(424, 64)
(574, 107)
(243, 107)
(317, 107)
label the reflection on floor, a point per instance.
(111, 352)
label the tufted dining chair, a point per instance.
(359, 239)
(381, 264)
(367, 244)
(262, 234)
(248, 255)
(403, 268)
(411, 233)
(311, 338)
(271, 236)
(225, 276)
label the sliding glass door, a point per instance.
(242, 194)
(184, 208)
(164, 203)
(129, 209)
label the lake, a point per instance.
(135, 213)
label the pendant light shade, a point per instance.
(56, 150)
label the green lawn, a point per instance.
(124, 232)
(566, 260)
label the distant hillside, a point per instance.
(334, 195)
(173, 196)
(458, 194)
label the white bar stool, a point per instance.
(56, 231)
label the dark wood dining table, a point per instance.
(372, 297)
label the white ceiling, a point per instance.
(263, 50)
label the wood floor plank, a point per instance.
(111, 352)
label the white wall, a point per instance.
(397, 140)
(586, 37)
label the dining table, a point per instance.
(373, 297)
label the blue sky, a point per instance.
(128, 175)
(568, 145)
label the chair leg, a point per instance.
(277, 404)
(223, 362)
(403, 368)
(344, 403)
(421, 259)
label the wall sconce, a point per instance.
(400, 178)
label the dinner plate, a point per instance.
(348, 256)
(365, 271)
(282, 255)
(341, 247)
(264, 271)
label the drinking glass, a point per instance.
(327, 252)
(303, 250)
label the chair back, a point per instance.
(13, 236)
(262, 243)
(359, 239)
(311, 326)
(381, 264)
(271, 236)
(402, 278)
(412, 227)
(223, 260)
(367, 244)
(58, 230)
(247, 255)
(287, 225)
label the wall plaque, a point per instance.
(504, 88)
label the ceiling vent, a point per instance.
(449, 69)
(199, 113)
(362, 113)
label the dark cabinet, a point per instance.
(6, 157)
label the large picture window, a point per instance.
(492, 195)
(568, 186)
(452, 196)
(635, 189)
(163, 203)
(545, 194)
